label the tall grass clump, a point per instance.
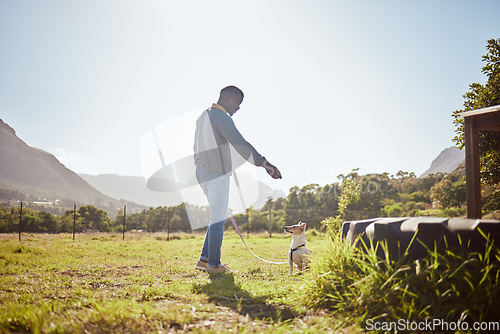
(351, 193)
(451, 285)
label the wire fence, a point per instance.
(251, 221)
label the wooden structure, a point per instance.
(486, 119)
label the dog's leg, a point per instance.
(303, 264)
(290, 262)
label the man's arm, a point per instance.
(227, 128)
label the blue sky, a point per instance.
(329, 85)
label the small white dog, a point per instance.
(298, 252)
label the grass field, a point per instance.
(101, 284)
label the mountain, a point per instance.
(38, 175)
(446, 162)
(133, 188)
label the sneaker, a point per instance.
(219, 270)
(201, 265)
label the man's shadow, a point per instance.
(223, 291)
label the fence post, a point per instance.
(74, 220)
(248, 223)
(270, 219)
(20, 221)
(124, 215)
(168, 223)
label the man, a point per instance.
(215, 130)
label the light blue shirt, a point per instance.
(215, 130)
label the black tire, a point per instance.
(427, 233)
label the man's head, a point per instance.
(230, 98)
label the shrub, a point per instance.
(492, 202)
(393, 210)
(454, 212)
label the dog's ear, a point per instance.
(303, 225)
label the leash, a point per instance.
(236, 226)
(239, 233)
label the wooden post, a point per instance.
(248, 223)
(270, 219)
(124, 217)
(472, 169)
(74, 221)
(20, 221)
(168, 224)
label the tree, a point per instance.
(68, 220)
(180, 219)
(482, 96)
(448, 193)
(269, 205)
(279, 204)
(439, 192)
(292, 206)
(458, 193)
(418, 196)
(351, 192)
(94, 218)
(258, 221)
(374, 187)
(157, 219)
(492, 202)
(329, 200)
(49, 223)
(5, 221)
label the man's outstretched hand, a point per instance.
(272, 170)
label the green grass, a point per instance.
(145, 284)
(101, 284)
